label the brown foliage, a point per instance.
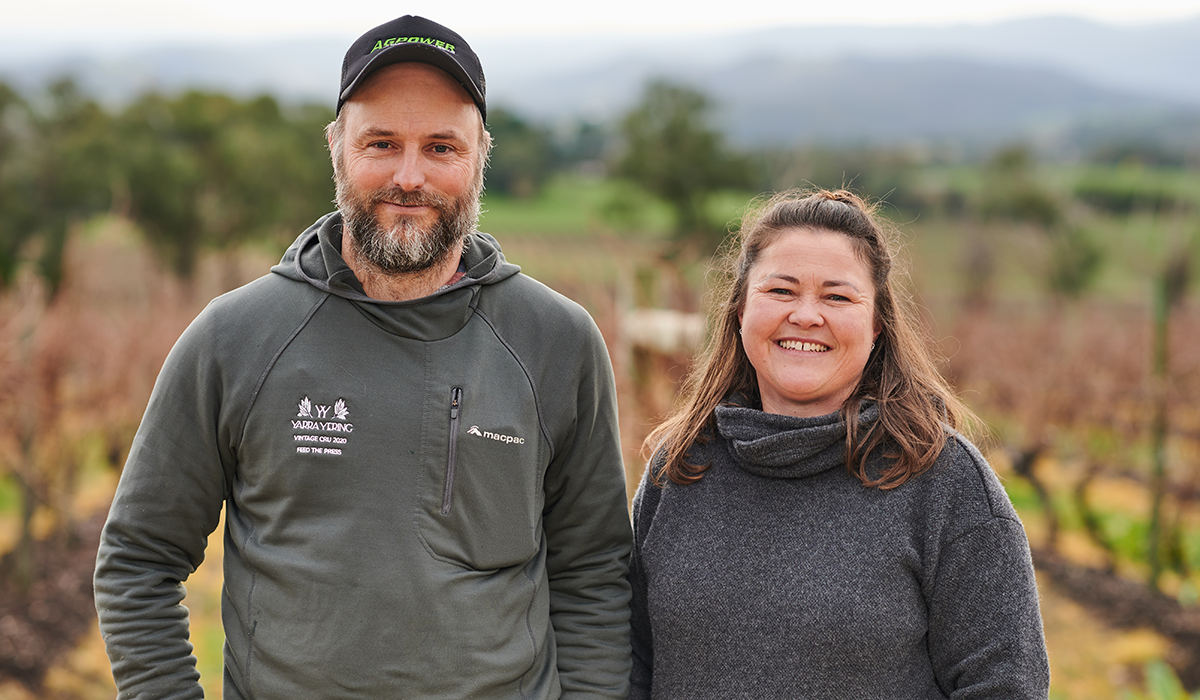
(1074, 385)
(45, 620)
(75, 373)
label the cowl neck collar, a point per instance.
(786, 447)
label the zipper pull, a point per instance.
(455, 398)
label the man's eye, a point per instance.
(441, 148)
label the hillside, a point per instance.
(1047, 79)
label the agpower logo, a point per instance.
(498, 437)
(384, 43)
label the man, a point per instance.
(416, 446)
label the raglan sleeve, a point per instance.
(985, 627)
(168, 501)
(586, 522)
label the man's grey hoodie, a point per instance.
(422, 499)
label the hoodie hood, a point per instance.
(315, 259)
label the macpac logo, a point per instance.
(508, 439)
(384, 43)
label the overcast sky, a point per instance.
(43, 25)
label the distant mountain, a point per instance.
(1157, 60)
(776, 100)
(1037, 78)
(307, 74)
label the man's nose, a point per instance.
(410, 171)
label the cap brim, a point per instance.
(417, 53)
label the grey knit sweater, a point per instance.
(778, 575)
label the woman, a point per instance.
(811, 524)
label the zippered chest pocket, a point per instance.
(452, 452)
(482, 499)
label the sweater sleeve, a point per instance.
(985, 628)
(645, 502)
(167, 503)
(586, 522)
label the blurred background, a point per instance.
(1040, 161)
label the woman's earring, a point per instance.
(872, 346)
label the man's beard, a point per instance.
(408, 246)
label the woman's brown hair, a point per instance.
(915, 402)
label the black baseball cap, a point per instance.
(412, 38)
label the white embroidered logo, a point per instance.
(498, 437)
(317, 429)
